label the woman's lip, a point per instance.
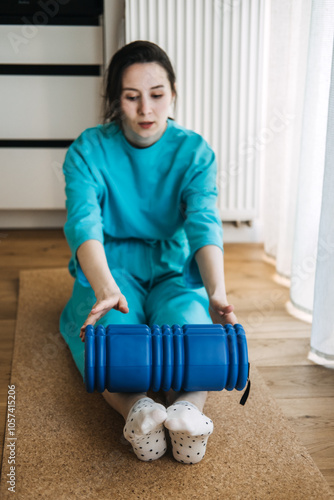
(145, 124)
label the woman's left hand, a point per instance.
(221, 312)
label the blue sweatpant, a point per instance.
(155, 291)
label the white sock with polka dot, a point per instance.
(189, 430)
(144, 429)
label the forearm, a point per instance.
(210, 261)
(93, 262)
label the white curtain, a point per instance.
(322, 338)
(288, 48)
(299, 76)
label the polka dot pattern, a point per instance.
(145, 431)
(189, 430)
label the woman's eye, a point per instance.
(131, 97)
(157, 96)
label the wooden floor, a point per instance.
(278, 344)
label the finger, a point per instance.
(222, 310)
(83, 332)
(99, 310)
(230, 318)
(91, 320)
(227, 309)
(94, 317)
(107, 304)
(123, 305)
(101, 306)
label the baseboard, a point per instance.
(34, 219)
(243, 233)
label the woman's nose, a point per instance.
(144, 106)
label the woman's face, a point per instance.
(146, 97)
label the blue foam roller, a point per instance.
(157, 362)
(178, 358)
(100, 358)
(136, 358)
(168, 358)
(233, 354)
(243, 372)
(90, 358)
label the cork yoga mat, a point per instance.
(68, 444)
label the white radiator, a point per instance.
(216, 49)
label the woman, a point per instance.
(146, 238)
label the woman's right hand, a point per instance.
(105, 302)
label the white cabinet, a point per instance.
(50, 91)
(21, 44)
(48, 107)
(32, 179)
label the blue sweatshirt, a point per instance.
(164, 192)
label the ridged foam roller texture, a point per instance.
(136, 358)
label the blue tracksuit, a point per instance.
(152, 209)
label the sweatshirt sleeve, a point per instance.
(84, 218)
(199, 199)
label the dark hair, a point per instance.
(140, 51)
